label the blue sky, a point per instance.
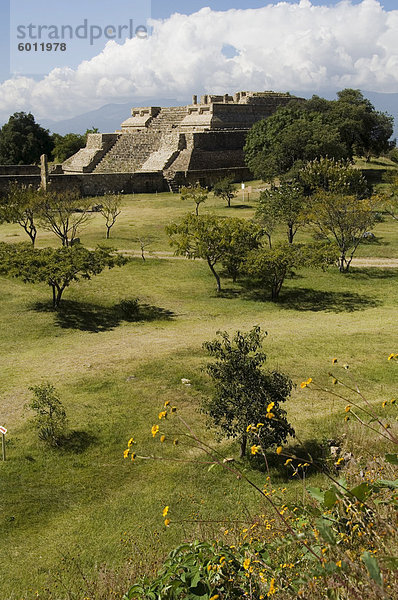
(313, 46)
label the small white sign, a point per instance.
(243, 186)
(3, 430)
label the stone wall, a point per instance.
(19, 170)
(94, 184)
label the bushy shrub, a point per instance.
(50, 420)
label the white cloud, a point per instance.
(281, 47)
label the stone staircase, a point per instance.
(168, 118)
(129, 153)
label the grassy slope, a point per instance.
(52, 502)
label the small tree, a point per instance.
(50, 419)
(240, 237)
(271, 266)
(21, 205)
(215, 240)
(285, 204)
(110, 210)
(196, 193)
(343, 220)
(58, 267)
(334, 176)
(390, 197)
(244, 391)
(64, 213)
(225, 189)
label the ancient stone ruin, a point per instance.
(202, 141)
(160, 149)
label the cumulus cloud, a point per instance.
(282, 46)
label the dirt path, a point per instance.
(382, 263)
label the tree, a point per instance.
(64, 213)
(213, 239)
(224, 188)
(271, 266)
(301, 132)
(245, 394)
(67, 145)
(343, 220)
(283, 204)
(110, 210)
(196, 193)
(21, 205)
(337, 177)
(50, 419)
(58, 267)
(240, 236)
(23, 141)
(288, 139)
(390, 197)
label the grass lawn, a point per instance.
(114, 376)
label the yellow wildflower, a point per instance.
(259, 425)
(162, 415)
(270, 406)
(334, 361)
(346, 418)
(167, 522)
(393, 401)
(246, 563)
(272, 588)
(215, 597)
(126, 453)
(384, 403)
(339, 563)
(305, 384)
(347, 408)
(339, 461)
(162, 438)
(173, 409)
(167, 403)
(130, 442)
(279, 450)
(133, 456)
(334, 381)
(249, 428)
(269, 415)
(165, 511)
(287, 462)
(392, 355)
(255, 449)
(176, 442)
(155, 430)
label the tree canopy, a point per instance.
(215, 240)
(301, 132)
(64, 213)
(23, 141)
(244, 394)
(57, 267)
(224, 188)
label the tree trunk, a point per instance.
(243, 444)
(290, 234)
(197, 210)
(217, 277)
(58, 297)
(54, 297)
(108, 232)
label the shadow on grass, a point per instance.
(372, 273)
(305, 299)
(97, 318)
(314, 452)
(77, 441)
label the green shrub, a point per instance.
(50, 419)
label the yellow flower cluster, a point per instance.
(393, 356)
(255, 449)
(305, 384)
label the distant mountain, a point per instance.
(109, 117)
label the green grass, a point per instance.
(88, 500)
